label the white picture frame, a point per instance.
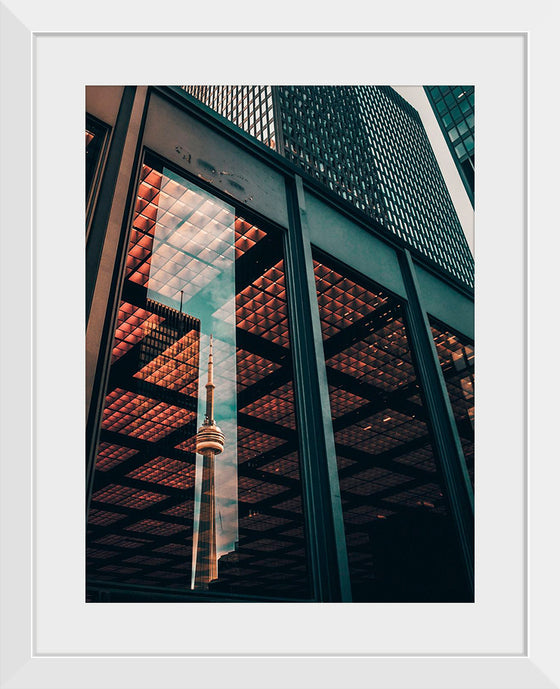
(48, 639)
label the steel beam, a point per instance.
(321, 491)
(447, 445)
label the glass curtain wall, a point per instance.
(456, 356)
(96, 134)
(400, 540)
(197, 480)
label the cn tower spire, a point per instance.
(210, 387)
(209, 443)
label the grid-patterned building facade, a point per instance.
(454, 110)
(249, 107)
(342, 356)
(365, 143)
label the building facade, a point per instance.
(453, 107)
(365, 143)
(341, 374)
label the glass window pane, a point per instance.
(460, 150)
(95, 138)
(456, 356)
(197, 482)
(400, 541)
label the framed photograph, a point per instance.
(52, 636)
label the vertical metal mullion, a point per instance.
(102, 367)
(320, 487)
(447, 444)
(277, 115)
(96, 235)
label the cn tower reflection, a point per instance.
(209, 443)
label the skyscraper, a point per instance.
(453, 107)
(209, 443)
(365, 143)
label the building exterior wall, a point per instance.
(453, 107)
(348, 414)
(368, 145)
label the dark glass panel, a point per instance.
(456, 356)
(400, 541)
(95, 138)
(174, 506)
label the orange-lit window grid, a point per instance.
(341, 309)
(127, 497)
(158, 528)
(369, 441)
(376, 435)
(141, 416)
(341, 300)
(422, 459)
(374, 362)
(103, 518)
(252, 490)
(153, 365)
(117, 539)
(180, 549)
(246, 236)
(187, 445)
(251, 444)
(251, 368)
(185, 510)
(378, 355)
(132, 326)
(457, 361)
(176, 368)
(285, 466)
(276, 407)
(167, 472)
(189, 225)
(343, 401)
(261, 522)
(109, 456)
(261, 307)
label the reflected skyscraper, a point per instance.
(453, 107)
(209, 443)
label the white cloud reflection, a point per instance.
(193, 268)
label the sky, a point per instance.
(416, 96)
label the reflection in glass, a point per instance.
(95, 139)
(456, 356)
(400, 542)
(201, 341)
